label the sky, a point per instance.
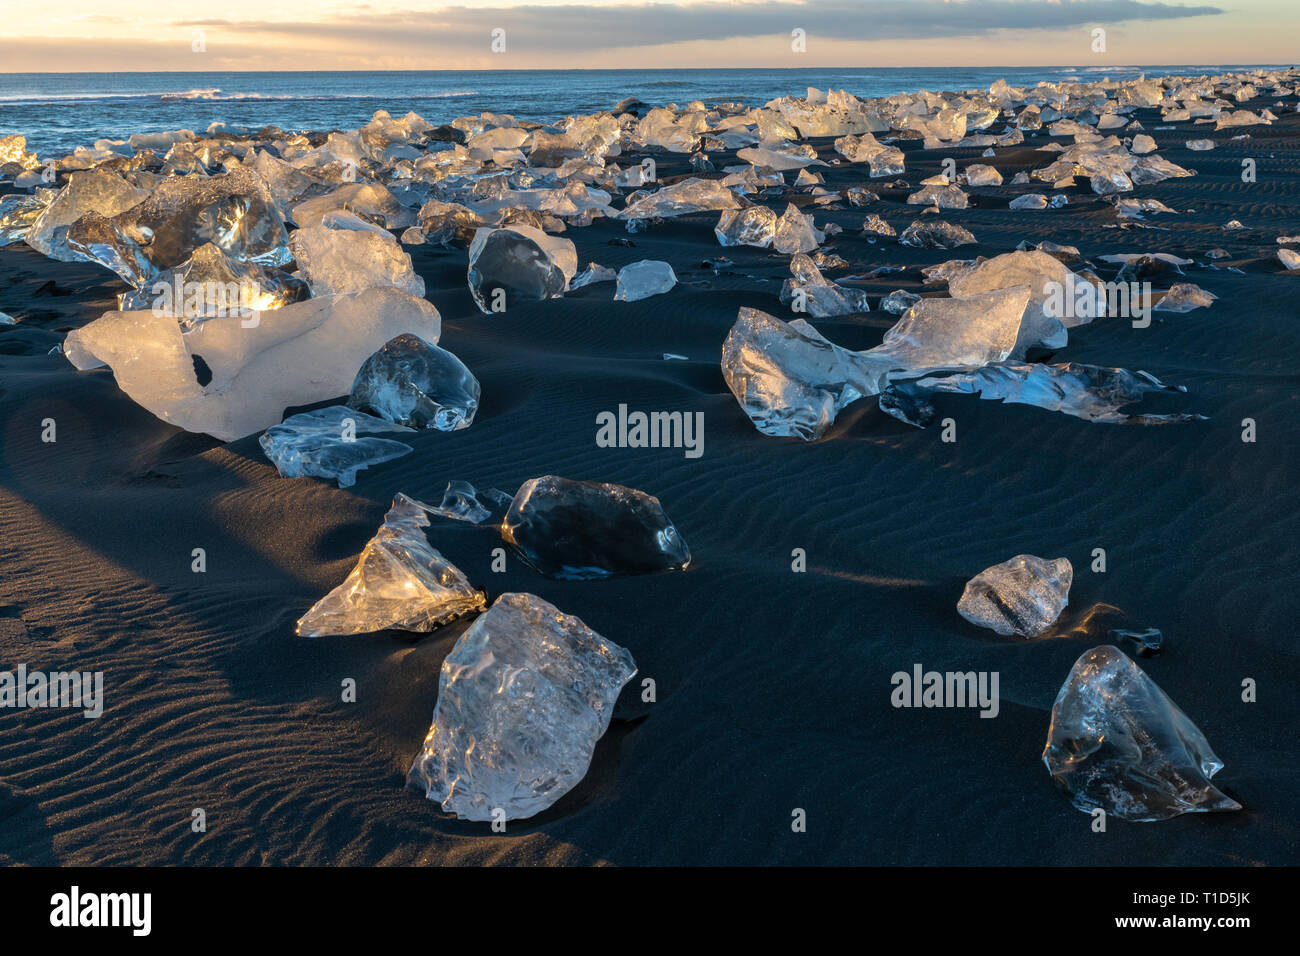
(149, 36)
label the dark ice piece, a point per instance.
(580, 530)
(415, 383)
(906, 407)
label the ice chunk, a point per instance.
(791, 381)
(935, 235)
(1091, 392)
(980, 175)
(1143, 144)
(371, 200)
(235, 211)
(1029, 201)
(906, 407)
(884, 160)
(687, 196)
(1117, 742)
(640, 280)
(753, 226)
(809, 292)
(339, 261)
(1059, 299)
(1183, 297)
(899, 301)
(13, 149)
(19, 212)
(461, 501)
(663, 128)
(972, 331)
(579, 530)
(323, 444)
(308, 352)
(93, 191)
(1289, 258)
(522, 699)
(776, 159)
(874, 225)
(400, 581)
(592, 274)
(210, 284)
(795, 232)
(1022, 596)
(518, 264)
(945, 197)
(413, 382)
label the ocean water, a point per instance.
(59, 111)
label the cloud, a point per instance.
(579, 28)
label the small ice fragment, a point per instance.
(522, 699)
(461, 501)
(1117, 742)
(873, 225)
(580, 530)
(906, 407)
(1200, 145)
(1091, 392)
(415, 383)
(899, 301)
(1289, 258)
(672, 356)
(323, 444)
(945, 197)
(1143, 144)
(1149, 641)
(980, 175)
(400, 581)
(1029, 201)
(592, 274)
(1022, 596)
(814, 295)
(935, 235)
(1183, 297)
(640, 280)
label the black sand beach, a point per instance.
(773, 686)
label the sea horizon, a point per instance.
(59, 111)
